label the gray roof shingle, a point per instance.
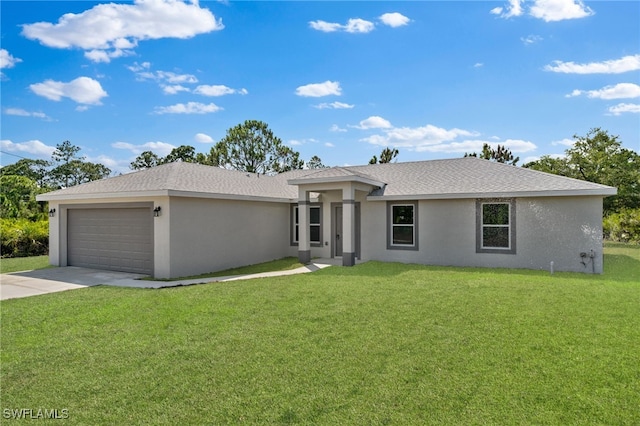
(454, 178)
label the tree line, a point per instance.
(252, 147)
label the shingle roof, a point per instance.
(182, 179)
(454, 178)
(473, 177)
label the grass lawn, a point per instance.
(284, 264)
(373, 344)
(17, 264)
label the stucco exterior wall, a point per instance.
(547, 229)
(210, 235)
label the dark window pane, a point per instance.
(297, 234)
(315, 234)
(495, 214)
(497, 237)
(403, 215)
(403, 235)
(295, 210)
(314, 212)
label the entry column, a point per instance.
(304, 244)
(348, 226)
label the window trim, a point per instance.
(390, 245)
(293, 225)
(511, 202)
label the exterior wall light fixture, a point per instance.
(52, 212)
(156, 211)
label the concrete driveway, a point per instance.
(43, 281)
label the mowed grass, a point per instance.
(284, 264)
(18, 264)
(373, 344)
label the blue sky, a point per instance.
(341, 80)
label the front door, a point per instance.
(337, 217)
(337, 229)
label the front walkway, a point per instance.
(43, 281)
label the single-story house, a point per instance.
(184, 219)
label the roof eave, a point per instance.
(600, 192)
(334, 179)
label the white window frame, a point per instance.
(294, 224)
(390, 226)
(481, 226)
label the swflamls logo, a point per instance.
(35, 413)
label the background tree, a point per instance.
(315, 163)
(72, 169)
(145, 160)
(18, 197)
(36, 170)
(252, 147)
(386, 156)
(500, 155)
(183, 153)
(64, 154)
(600, 158)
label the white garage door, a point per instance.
(118, 239)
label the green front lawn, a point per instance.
(17, 264)
(373, 344)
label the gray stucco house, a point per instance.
(183, 219)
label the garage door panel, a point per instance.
(119, 239)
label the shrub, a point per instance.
(22, 237)
(623, 226)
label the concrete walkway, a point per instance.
(43, 281)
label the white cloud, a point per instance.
(547, 10)
(113, 28)
(565, 142)
(622, 108)
(32, 147)
(188, 108)
(83, 90)
(106, 56)
(23, 113)
(317, 90)
(515, 146)
(357, 25)
(160, 148)
(334, 105)
(394, 19)
(353, 25)
(430, 138)
(203, 138)
(374, 122)
(6, 60)
(559, 10)
(336, 128)
(173, 89)
(143, 73)
(619, 91)
(531, 39)
(218, 90)
(513, 9)
(326, 27)
(478, 65)
(136, 67)
(614, 66)
(329, 145)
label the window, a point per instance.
(315, 225)
(402, 219)
(495, 226)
